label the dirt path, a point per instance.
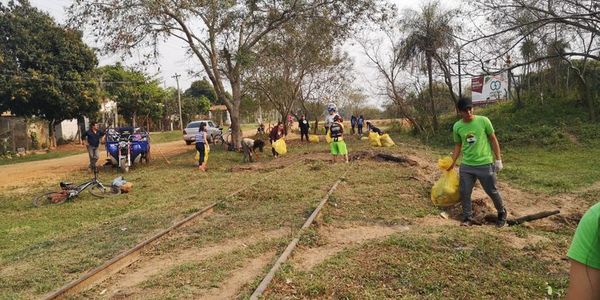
(41, 171)
(16, 175)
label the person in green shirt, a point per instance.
(474, 137)
(584, 253)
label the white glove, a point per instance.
(498, 165)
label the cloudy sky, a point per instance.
(173, 59)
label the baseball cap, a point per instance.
(464, 103)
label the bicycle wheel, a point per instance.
(104, 192)
(50, 198)
(218, 140)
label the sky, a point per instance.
(174, 60)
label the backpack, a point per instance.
(336, 130)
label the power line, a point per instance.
(69, 81)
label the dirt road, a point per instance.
(39, 171)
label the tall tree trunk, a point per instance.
(430, 75)
(234, 113)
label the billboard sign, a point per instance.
(489, 88)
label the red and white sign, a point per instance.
(489, 88)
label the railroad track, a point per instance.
(292, 245)
(130, 256)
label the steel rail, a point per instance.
(128, 257)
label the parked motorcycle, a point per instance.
(126, 146)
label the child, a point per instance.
(249, 147)
(201, 145)
(336, 132)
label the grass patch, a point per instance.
(453, 265)
(35, 157)
(166, 136)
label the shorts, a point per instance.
(338, 148)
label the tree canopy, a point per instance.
(45, 68)
(136, 94)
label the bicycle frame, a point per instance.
(80, 188)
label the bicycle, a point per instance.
(224, 139)
(70, 191)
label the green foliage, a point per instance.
(201, 88)
(136, 94)
(45, 68)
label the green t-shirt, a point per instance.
(585, 247)
(473, 136)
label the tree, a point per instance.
(45, 67)
(290, 56)
(429, 32)
(222, 35)
(545, 32)
(136, 94)
(201, 88)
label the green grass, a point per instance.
(549, 148)
(43, 248)
(552, 171)
(35, 157)
(449, 264)
(166, 136)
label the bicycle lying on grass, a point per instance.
(69, 191)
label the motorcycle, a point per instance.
(126, 146)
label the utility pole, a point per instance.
(176, 76)
(459, 75)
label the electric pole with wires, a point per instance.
(176, 76)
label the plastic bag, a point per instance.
(386, 140)
(445, 191)
(118, 181)
(328, 138)
(280, 147)
(374, 139)
(313, 138)
(206, 151)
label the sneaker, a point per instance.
(501, 219)
(467, 222)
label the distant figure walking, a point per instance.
(304, 126)
(360, 122)
(353, 121)
(201, 144)
(91, 139)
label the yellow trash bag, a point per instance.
(206, 151)
(328, 138)
(374, 139)
(386, 140)
(313, 138)
(445, 191)
(280, 147)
